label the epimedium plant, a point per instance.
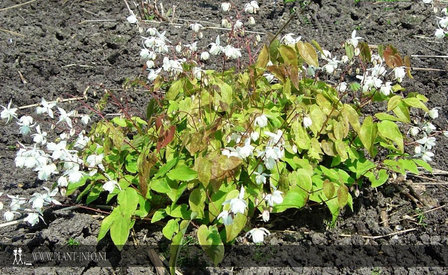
(220, 149)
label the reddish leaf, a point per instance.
(392, 57)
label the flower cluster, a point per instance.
(47, 159)
(442, 30)
(425, 137)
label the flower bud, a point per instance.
(251, 21)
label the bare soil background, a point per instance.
(58, 49)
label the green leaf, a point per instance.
(423, 164)
(393, 102)
(94, 193)
(390, 131)
(365, 53)
(384, 116)
(233, 230)
(328, 189)
(178, 211)
(197, 201)
(119, 231)
(131, 163)
(379, 179)
(151, 108)
(368, 134)
(176, 245)
(333, 206)
(160, 186)
(119, 121)
(409, 165)
(352, 116)
(106, 224)
(182, 173)
(204, 168)
(341, 148)
(318, 117)
(349, 50)
(416, 103)
(288, 54)
(211, 242)
(171, 228)
(362, 166)
(128, 200)
(294, 198)
(263, 58)
(158, 215)
(308, 53)
(166, 167)
(342, 195)
(402, 112)
(175, 89)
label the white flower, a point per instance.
(74, 175)
(428, 142)
(433, 113)
(265, 215)
(237, 205)
(65, 117)
(9, 216)
(205, 56)
(81, 141)
(225, 6)
(62, 181)
(85, 119)
(288, 39)
(274, 138)
(152, 31)
(251, 21)
(258, 234)
(260, 177)
(418, 149)
(254, 135)
(230, 152)
(196, 27)
(193, 46)
(46, 108)
(150, 64)
(443, 22)
(238, 25)
(8, 113)
(331, 66)
(45, 172)
(429, 127)
(32, 218)
(445, 133)
(344, 59)
(178, 48)
(232, 52)
(226, 217)
(342, 87)
(94, 160)
(153, 74)
(144, 53)
(216, 48)
(251, 7)
(399, 73)
(25, 124)
(355, 39)
(246, 150)
(274, 198)
(386, 89)
(109, 186)
(427, 156)
(414, 131)
(16, 202)
(132, 18)
(226, 24)
(197, 72)
(307, 122)
(261, 121)
(269, 77)
(427, 1)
